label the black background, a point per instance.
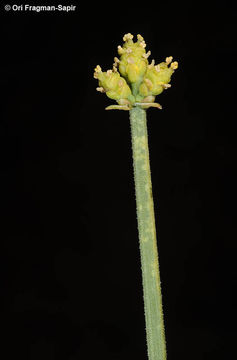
(70, 268)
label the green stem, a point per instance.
(155, 333)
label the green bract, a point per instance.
(133, 81)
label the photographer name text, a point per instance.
(40, 8)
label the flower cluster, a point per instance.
(133, 81)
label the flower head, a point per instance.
(133, 81)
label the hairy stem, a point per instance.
(147, 237)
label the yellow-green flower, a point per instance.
(157, 77)
(112, 84)
(133, 81)
(133, 58)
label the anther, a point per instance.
(142, 44)
(147, 54)
(174, 65)
(166, 86)
(127, 37)
(120, 50)
(100, 89)
(168, 60)
(139, 37)
(98, 68)
(151, 64)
